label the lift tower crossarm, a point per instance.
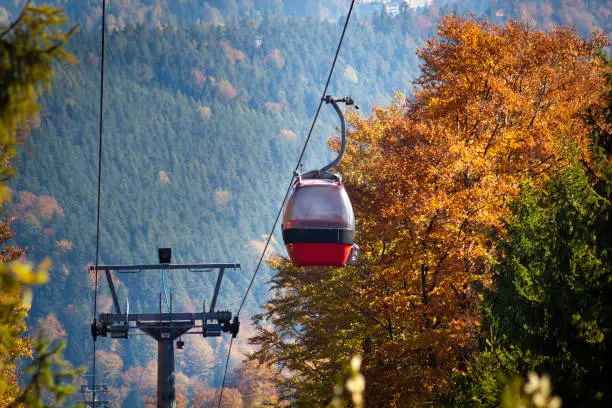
(139, 268)
(155, 317)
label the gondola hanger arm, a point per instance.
(347, 100)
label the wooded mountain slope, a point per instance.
(202, 128)
(203, 124)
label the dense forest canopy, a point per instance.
(207, 106)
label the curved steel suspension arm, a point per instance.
(348, 101)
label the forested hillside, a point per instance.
(202, 128)
(206, 108)
(586, 16)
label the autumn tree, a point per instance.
(225, 91)
(141, 384)
(430, 177)
(29, 47)
(549, 310)
(257, 384)
(204, 397)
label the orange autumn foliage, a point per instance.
(143, 379)
(275, 58)
(257, 384)
(495, 105)
(225, 91)
(231, 53)
(204, 397)
(429, 177)
(52, 327)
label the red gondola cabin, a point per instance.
(319, 225)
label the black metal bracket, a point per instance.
(235, 327)
(98, 329)
(347, 100)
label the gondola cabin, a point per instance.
(319, 225)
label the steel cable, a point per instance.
(297, 167)
(99, 195)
